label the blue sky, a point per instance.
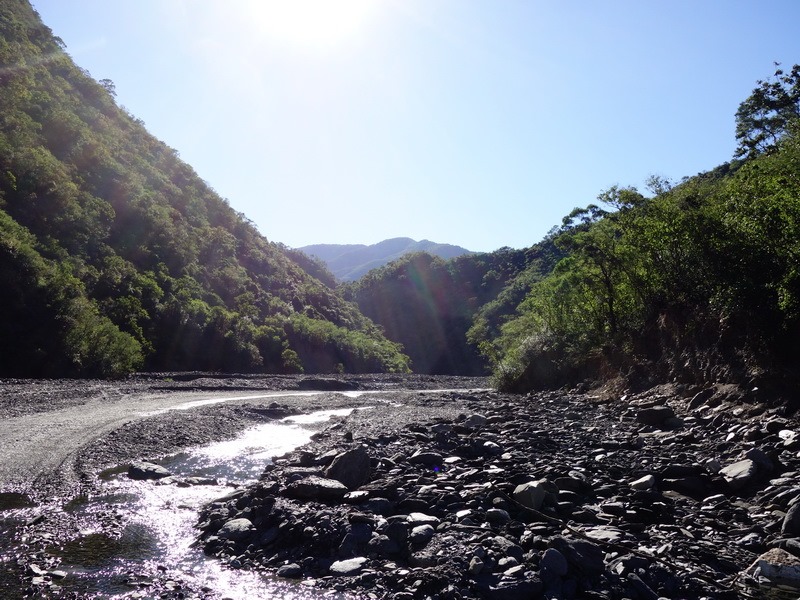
(473, 122)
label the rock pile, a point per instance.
(554, 495)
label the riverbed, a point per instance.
(108, 536)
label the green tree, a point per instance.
(763, 118)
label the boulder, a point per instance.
(791, 522)
(530, 494)
(430, 459)
(740, 473)
(655, 415)
(777, 567)
(236, 530)
(421, 535)
(643, 483)
(146, 470)
(352, 468)
(316, 488)
(583, 557)
(351, 566)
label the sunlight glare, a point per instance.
(309, 23)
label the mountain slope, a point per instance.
(428, 304)
(115, 255)
(350, 262)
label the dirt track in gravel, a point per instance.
(44, 425)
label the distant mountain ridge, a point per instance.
(350, 262)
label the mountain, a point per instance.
(428, 304)
(115, 255)
(349, 262)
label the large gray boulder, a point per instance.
(740, 473)
(352, 468)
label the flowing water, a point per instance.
(158, 534)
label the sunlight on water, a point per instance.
(166, 513)
(221, 399)
(322, 415)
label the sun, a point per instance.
(309, 23)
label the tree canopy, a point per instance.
(116, 255)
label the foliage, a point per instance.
(763, 118)
(428, 304)
(711, 263)
(119, 256)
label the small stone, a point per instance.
(290, 571)
(421, 535)
(740, 473)
(351, 566)
(643, 483)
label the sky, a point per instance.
(479, 123)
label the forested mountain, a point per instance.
(429, 304)
(349, 262)
(115, 255)
(698, 282)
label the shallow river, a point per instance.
(159, 521)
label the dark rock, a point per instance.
(654, 415)
(530, 494)
(316, 488)
(553, 565)
(290, 571)
(352, 468)
(791, 522)
(524, 589)
(236, 530)
(430, 459)
(583, 557)
(146, 470)
(421, 535)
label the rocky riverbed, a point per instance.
(665, 494)
(675, 492)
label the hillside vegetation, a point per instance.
(697, 282)
(428, 304)
(116, 256)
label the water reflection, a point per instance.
(163, 514)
